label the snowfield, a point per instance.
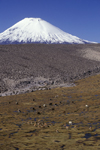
(36, 30)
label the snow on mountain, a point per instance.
(36, 30)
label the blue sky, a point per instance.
(77, 17)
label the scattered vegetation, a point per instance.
(56, 119)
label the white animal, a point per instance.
(44, 105)
(86, 106)
(70, 122)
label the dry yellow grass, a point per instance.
(38, 127)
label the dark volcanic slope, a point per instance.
(32, 60)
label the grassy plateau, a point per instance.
(57, 119)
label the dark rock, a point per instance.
(33, 108)
(38, 113)
(56, 104)
(50, 103)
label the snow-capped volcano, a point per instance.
(36, 30)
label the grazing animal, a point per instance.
(16, 103)
(67, 127)
(45, 124)
(28, 122)
(86, 106)
(35, 124)
(73, 102)
(57, 131)
(38, 113)
(75, 127)
(44, 105)
(19, 110)
(31, 122)
(70, 122)
(90, 128)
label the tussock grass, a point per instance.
(48, 127)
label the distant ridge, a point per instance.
(36, 30)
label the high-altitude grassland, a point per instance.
(52, 64)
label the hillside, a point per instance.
(29, 66)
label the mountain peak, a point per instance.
(32, 19)
(36, 30)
